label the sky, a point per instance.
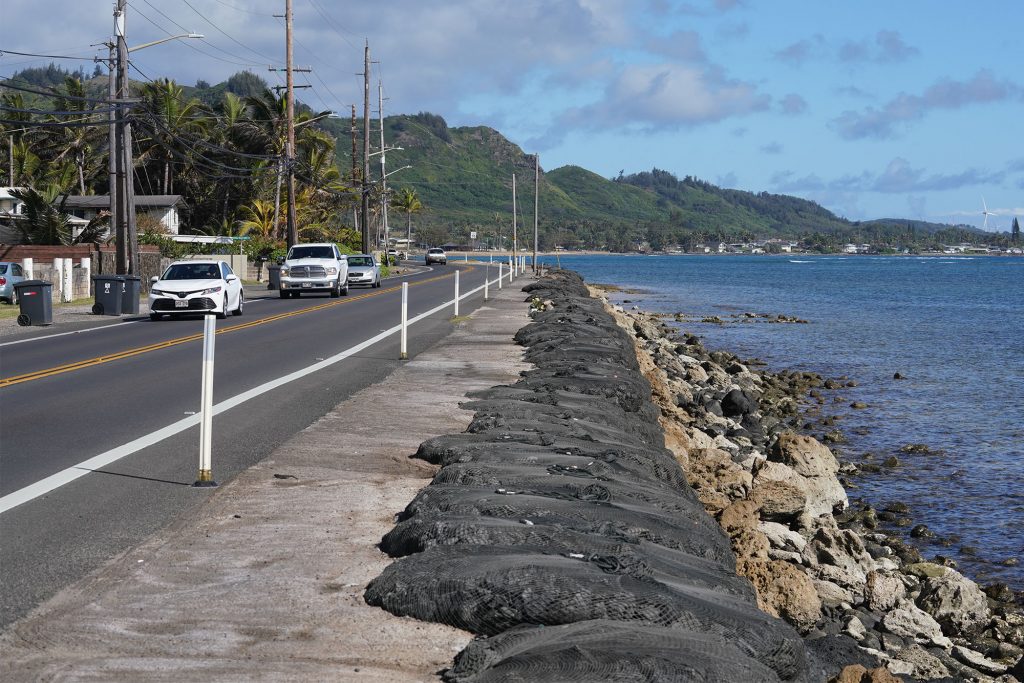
(874, 109)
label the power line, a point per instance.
(33, 54)
(7, 84)
(224, 33)
(331, 24)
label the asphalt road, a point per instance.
(68, 398)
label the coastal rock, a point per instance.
(804, 454)
(857, 673)
(646, 329)
(926, 665)
(908, 621)
(780, 500)
(956, 602)
(831, 594)
(978, 661)
(854, 628)
(782, 537)
(883, 590)
(783, 591)
(736, 403)
(843, 549)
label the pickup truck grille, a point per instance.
(307, 271)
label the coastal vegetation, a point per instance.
(221, 147)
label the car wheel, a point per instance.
(241, 303)
(155, 316)
(336, 289)
(223, 313)
(344, 292)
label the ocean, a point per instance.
(952, 326)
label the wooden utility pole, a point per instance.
(293, 230)
(355, 162)
(514, 233)
(116, 224)
(536, 202)
(383, 172)
(364, 217)
(126, 170)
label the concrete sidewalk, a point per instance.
(265, 580)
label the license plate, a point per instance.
(180, 303)
(307, 285)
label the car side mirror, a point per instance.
(153, 280)
(231, 278)
(280, 260)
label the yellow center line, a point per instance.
(128, 353)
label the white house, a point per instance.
(161, 207)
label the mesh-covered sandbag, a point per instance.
(524, 447)
(667, 565)
(587, 430)
(567, 483)
(602, 650)
(559, 282)
(628, 390)
(487, 590)
(584, 403)
(695, 533)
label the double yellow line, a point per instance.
(128, 353)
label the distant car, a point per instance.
(189, 287)
(394, 256)
(10, 275)
(436, 255)
(363, 270)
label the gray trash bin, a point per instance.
(273, 276)
(35, 298)
(130, 296)
(109, 294)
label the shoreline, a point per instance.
(817, 562)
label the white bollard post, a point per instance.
(487, 282)
(404, 351)
(58, 278)
(511, 269)
(501, 273)
(205, 479)
(26, 265)
(456, 294)
(87, 270)
(67, 291)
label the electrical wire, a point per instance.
(222, 31)
(52, 93)
(331, 24)
(33, 54)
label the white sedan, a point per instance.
(363, 269)
(206, 286)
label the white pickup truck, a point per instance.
(314, 268)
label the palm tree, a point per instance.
(170, 124)
(46, 223)
(407, 201)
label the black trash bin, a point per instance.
(35, 298)
(109, 294)
(274, 276)
(130, 296)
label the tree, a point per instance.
(408, 202)
(46, 223)
(1015, 231)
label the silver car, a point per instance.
(10, 275)
(363, 270)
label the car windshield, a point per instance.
(311, 252)
(437, 251)
(3, 268)
(360, 261)
(192, 271)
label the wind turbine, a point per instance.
(986, 212)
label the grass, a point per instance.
(12, 310)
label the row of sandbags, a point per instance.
(561, 531)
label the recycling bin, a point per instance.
(274, 276)
(130, 295)
(109, 294)
(35, 299)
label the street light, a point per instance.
(164, 40)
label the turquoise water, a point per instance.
(953, 326)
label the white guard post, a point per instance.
(487, 282)
(26, 264)
(67, 287)
(501, 273)
(87, 269)
(511, 269)
(404, 351)
(58, 278)
(205, 479)
(456, 294)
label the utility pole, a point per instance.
(383, 174)
(365, 186)
(514, 233)
(293, 230)
(126, 170)
(112, 165)
(536, 202)
(355, 163)
(10, 158)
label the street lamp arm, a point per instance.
(164, 40)
(386, 149)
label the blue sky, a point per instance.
(873, 108)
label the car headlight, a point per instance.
(211, 290)
(332, 271)
(158, 292)
(284, 270)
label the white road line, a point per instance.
(55, 481)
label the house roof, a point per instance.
(103, 201)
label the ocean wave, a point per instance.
(793, 260)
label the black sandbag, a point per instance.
(695, 533)
(629, 391)
(588, 430)
(487, 590)
(584, 403)
(666, 565)
(526, 447)
(603, 650)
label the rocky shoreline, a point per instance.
(815, 561)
